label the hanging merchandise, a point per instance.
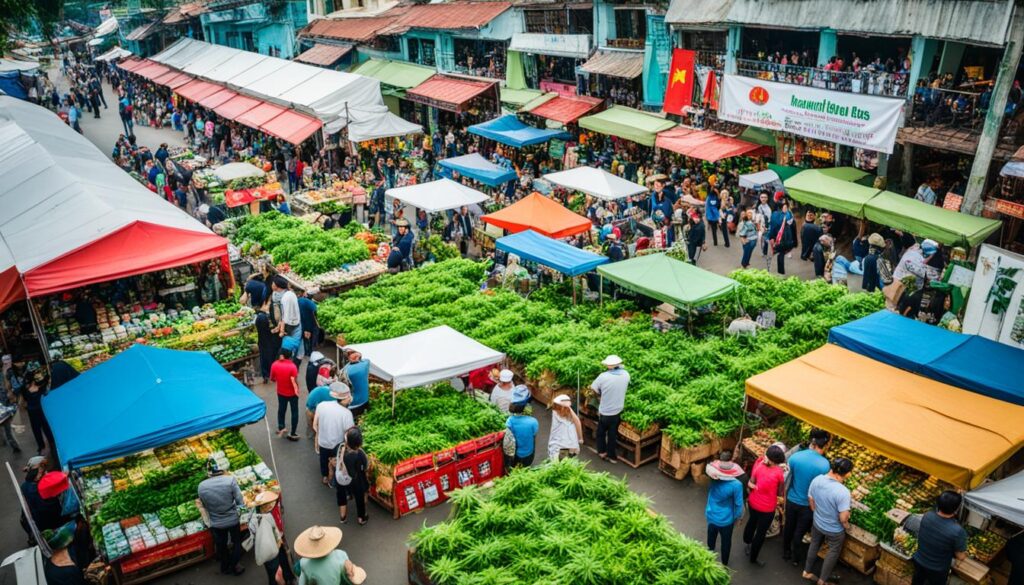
(1002, 289)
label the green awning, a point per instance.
(929, 221)
(395, 73)
(627, 123)
(669, 280)
(515, 75)
(759, 136)
(831, 189)
(784, 172)
(521, 97)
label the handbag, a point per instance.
(341, 475)
(893, 292)
(248, 541)
(266, 547)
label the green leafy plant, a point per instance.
(309, 250)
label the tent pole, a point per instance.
(393, 394)
(37, 325)
(573, 289)
(601, 292)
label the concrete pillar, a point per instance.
(994, 118)
(952, 55)
(828, 46)
(733, 46)
(922, 53)
(909, 188)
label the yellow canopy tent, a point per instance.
(953, 434)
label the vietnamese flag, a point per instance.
(679, 92)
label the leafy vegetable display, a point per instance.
(690, 384)
(426, 420)
(308, 249)
(560, 524)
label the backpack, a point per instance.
(341, 475)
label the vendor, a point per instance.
(610, 388)
(357, 371)
(501, 395)
(401, 247)
(615, 252)
(221, 498)
(940, 540)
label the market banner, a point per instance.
(679, 93)
(853, 119)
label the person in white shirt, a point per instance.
(330, 423)
(290, 324)
(501, 395)
(566, 431)
(610, 387)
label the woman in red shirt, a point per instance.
(766, 481)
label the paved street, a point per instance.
(380, 546)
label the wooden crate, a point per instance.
(679, 473)
(637, 448)
(544, 388)
(971, 571)
(894, 561)
(860, 550)
(676, 461)
(416, 571)
(886, 576)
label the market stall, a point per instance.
(509, 130)
(938, 354)
(767, 180)
(705, 144)
(565, 109)
(671, 281)
(479, 169)
(135, 433)
(834, 189)
(1000, 499)
(628, 123)
(436, 196)
(534, 247)
(541, 214)
(595, 182)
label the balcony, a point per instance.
(625, 44)
(952, 120)
(868, 82)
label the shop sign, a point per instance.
(1010, 208)
(952, 202)
(556, 148)
(853, 119)
(562, 89)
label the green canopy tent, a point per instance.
(627, 123)
(831, 189)
(395, 74)
(942, 225)
(784, 172)
(672, 281)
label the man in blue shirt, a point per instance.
(830, 501)
(804, 466)
(307, 317)
(524, 428)
(358, 372)
(725, 502)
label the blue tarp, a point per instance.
(142, 398)
(10, 84)
(478, 168)
(529, 245)
(966, 361)
(509, 130)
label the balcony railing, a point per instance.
(948, 108)
(870, 82)
(625, 43)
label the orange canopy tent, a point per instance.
(540, 214)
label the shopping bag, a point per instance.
(892, 293)
(266, 546)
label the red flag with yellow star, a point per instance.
(679, 92)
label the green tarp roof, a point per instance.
(395, 73)
(784, 172)
(758, 136)
(834, 190)
(669, 280)
(942, 225)
(627, 123)
(521, 97)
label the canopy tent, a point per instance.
(767, 179)
(669, 280)
(595, 182)
(929, 221)
(236, 106)
(1001, 499)
(440, 195)
(480, 169)
(509, 130)
(542, 215)
(705, 144)
(783, 171)
(541, 249)
(114, 54)
(933, 352)
(624, 64)
(524, 99)
(387, 125)
(215, 99)
(1014, 168)
(832, 189)
(324, 55)
(396, 74)
(450, 93)
(291, 126)
(238, 170)
(106, 27)
(71, 217)
(425, 357)
(565, 109)
(142, 398)
(955, 435)
(627, 123)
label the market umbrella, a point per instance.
(237, 170)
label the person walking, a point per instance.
(566, 433)
(265, 522)
(331, 421)
(713, 212)
(940, 540)
(524, 428)
(8, 407)
(766, 481)
(350, 476)
(809, 234)
(725, 502)
(610, 387)
(284, 373)
(322, 562)
(290, 324)
(310, 326)
(830, 501)
(780, 235)
(804, 466)
(357, 370)
(268, 343)
(33, 393)
(695, 238)
(74, 115)
(221, 498)
(746, 231)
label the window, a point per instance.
(567, 20)
(421, 51)
(630, 23)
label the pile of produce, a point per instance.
(307, 249)
(147, 499)
(559, 523)
(692, 385)
(426, 420)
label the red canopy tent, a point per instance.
(704, 144)
(260, 115)
(215, 99)
(291, 126)
(196, 90)
(540, 214)
(236, 106)
(566, 109)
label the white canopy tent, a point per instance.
(425, 357)
(16, 65)
(435, 196)
(106, 27)
(371, 127)
(238, 170)
(760, 179)
(114, 54)
(595, 182)
(1002, 499)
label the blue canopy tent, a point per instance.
(509, 130)
(529, 245)
(970, 362)
(477, 168)
(143, 398)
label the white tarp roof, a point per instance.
(573, 46)
(114, 54)
(759, 179)
(387, 125)
(596, 182)
(425, 357)
(328, 95)
(106, 27)
(440, 195)
(1002, 499)
(59, 193)
(15, 65)
(237, 170)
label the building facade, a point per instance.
(268, 28)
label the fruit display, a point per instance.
(690, 384)
(904, 542)
(348, 192)
(540, 525)
(983, 545)
(308, 250)
(149, 498)
(787, 430)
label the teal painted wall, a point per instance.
(269, 28)
(657, 58)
